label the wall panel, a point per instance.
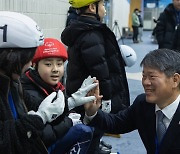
(49, 14)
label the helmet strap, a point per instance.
(97, 14)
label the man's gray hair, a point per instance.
(164, 60)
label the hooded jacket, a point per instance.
(17, 135)
(93, 50)
(167, 29)
(35, 91)
(72, 15)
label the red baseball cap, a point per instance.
(51, 48)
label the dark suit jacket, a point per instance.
(141, 116)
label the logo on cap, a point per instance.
(49, 44)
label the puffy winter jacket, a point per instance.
(19, 135)
(93, 50)
(35, 91)
(167, 31)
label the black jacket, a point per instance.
(141, 116)
(14, 133)
(34, 94)
(93, 50)
(167, 31)
(72, 15)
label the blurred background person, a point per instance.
(167, 28)
(135, 25)
(140, 29)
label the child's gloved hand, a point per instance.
(75, 117)
(49, 110)
(79, 98)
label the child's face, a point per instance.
(51, 70)
(101, 10)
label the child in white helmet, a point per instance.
(93, 50)
(58, 136)
(20, 129)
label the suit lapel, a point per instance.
(172, 132)
(151, 128)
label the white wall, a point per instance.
(120, 13)
(49, 14)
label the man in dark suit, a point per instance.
(161, 82)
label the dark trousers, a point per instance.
(135, 33)
(94, 146)
(76, 141)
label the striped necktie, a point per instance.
(161, 128)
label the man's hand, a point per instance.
(92, 107)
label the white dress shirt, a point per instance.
(168, 111)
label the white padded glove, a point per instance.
(106, 106)
(75, 117)
(49, 108)
(79, 98)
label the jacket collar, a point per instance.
(151, 129)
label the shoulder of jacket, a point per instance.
(141, 97)
(169, 10)
(91, 36)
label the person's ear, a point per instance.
(92, 8)
(176, 80)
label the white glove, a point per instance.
(79, 98)
(106, 106)
(75, 117)
(49, 108)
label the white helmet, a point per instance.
(19, 31)
(129, 55)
